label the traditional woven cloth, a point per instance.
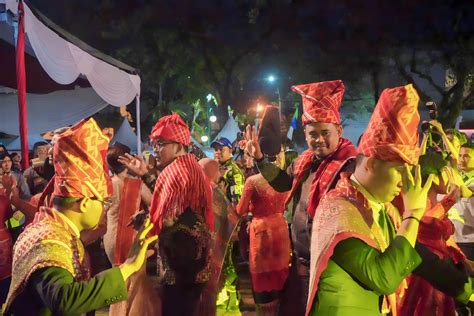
(79, 162)
(392, 133)
(171, 128)
(180, 185)
(321, 101)
(47, 242)
(344, 213)
(327, 170)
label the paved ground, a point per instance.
(244, 286)
(247, 305)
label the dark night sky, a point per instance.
(348, 26)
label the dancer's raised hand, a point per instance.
(252, 146)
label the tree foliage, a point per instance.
(186, 49)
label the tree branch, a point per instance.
(404, 73)
(210, 66)
(468, 98)
(428, 78)
(254, 46)
(452, 89)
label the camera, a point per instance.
(432, 110)
(434, 139)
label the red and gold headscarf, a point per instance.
(392, 133)
(321, 101)
(79, 162)
(171, 128)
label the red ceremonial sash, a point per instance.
(129, 205)
(325, 174)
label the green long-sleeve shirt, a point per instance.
(53, 291)
(358, 275)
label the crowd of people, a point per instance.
(384, 227)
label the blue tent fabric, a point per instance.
(47, 112)
(208, 151)
(126, 135)
(32, 139)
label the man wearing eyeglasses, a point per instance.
(181, 210)
(50, 272)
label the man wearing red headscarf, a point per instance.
(181, 210)
(50, 272)
(310, 176)
(361, 250)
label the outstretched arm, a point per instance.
(64, 296)
(280, 180)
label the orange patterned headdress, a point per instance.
(79, 162)
(321, 101)
(171, 128)
(392, 133)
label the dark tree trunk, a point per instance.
(452, 103)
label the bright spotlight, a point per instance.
(204, 138)
(271, 78)
(212, 118)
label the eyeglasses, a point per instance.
(158, 145)
(106, 203)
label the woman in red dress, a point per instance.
(270, 248)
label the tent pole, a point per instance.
(21, 86)
(139, 134)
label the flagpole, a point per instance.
(21, 86)
(139, 129)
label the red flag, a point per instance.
(21, 86)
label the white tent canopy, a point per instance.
(230, 130)
(67, 61)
